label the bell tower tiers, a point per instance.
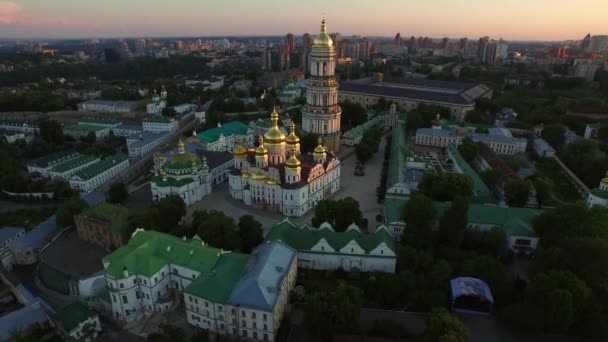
(321, 114)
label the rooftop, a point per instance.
(480, 190)
(116, 216)
(227, 129)
(9, 232)
(99, 121)
(125, 104)
(85, 256)
(148, 251)
(101, 166)
(144, 138)
(217, 285)
(159, 119)
(53, 158)
(73, 163)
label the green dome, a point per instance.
(178, 162)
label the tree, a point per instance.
(446, 186)
(454, 221)
(308, 142)
(491, 177)
(363, 152)
(72, 206)
(51, 131)
(441, 326)
(468, 149)
(571, 220)
(517, 192)
(219, 230)
(586, 160)
(353, 114)
(90, 138)
(340, 214)
(118, 192)
(333, 310)
(554, 135)
(419, 214)
(168, 111)
(250, 232)
(486, 268)
(543, 188)
(165, 215)
(414, 121)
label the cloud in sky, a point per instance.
(9, 12)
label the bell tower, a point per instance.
(321, 114)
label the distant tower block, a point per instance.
(321, 114)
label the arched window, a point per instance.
(324, 69)
(318, 68)
(325, 100)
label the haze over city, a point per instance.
(512, 19)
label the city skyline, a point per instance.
(512, 20)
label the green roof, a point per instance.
(50, 159)
(72, 315)
(305, 238)
(481, 192)
(83, 128)
(218, 285)
(181, 161)
(358, 131)
(101, 166)
(148, 251)
(116, 216)
(393, 208)
(396, 158)
(227, 129)
(99, 121)
(73, 163)
(171, 181)
(600, 193)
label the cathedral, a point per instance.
(276, 176)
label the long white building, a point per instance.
(99, 173)
(158, 123)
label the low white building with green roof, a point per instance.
(99, 173)
(224, 292)
(520, 236)
(223, 137)
(599, 195)
(354, 135)
(78, 322)
(67, 169)
(325, 249)
(42, 165)
(82, 130)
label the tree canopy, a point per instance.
(118, 192)
(251, 233)
(446, 186)
(217, 229)
(441, 326)
(517, 192)
(339, 213)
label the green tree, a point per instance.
(165, 215)
(168, 111)
(340, 214)
(571, 220)
(491, 177)
(414, 121)
(219, 231)
(51, 131)
(363, 152)
(517, 192)
(543, 188)
(72, 206)
(353, 114)
(468, 149)
(441, 326)
(333, 310)
(118, 192)
(486, 268)
(308, 142)
(453, 223)
(250, 232)
(586, 160)
(419, 214)
(90, 138)
(446, 186)
(554, 135)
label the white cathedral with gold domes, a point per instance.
(275, 176)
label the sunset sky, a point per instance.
(510, 19)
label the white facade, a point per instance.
(96, 175)
(45, 164)
(79, 131)
(105, 106)
(60, 172)
(143, 143)
(500, 144)
(93, 327)
(160, 124)
(19, 126)
(599, 196)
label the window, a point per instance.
(113, 298)
(244, 324)
(175, 271)
(253, 315)
(265, 337)
(121, 285)
(135, 281)
(124, 300)
(244, 333)
(522, 242)
(265, 326)
(255, 326)
(264, 316)
(255, 335)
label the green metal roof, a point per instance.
(305, 238)
(72, 315)
(50, 159)
(358, 131)
(174, 182)
(158, 118)
(218, 285)
(600, 193)
(116, 216)
(83, 128)
(73, 163)
(181, 161)
(396, 159)
(99, 121)
(480, 190)
(101, 166)
(227, 129)
(148, 251)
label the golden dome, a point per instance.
(320, 149)
(245, 174)
(605, 179)
(274, 134)
(323, 40)
(163, 173)
(239, 151)
(292, 138)
(180, 143)
(258, 175)
(271, 181)
(292, 162)
(261, 151)
(194, 163)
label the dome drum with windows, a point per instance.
(183, 162)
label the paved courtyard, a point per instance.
(363, 189)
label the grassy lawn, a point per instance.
(27, 218)
(562, 188)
